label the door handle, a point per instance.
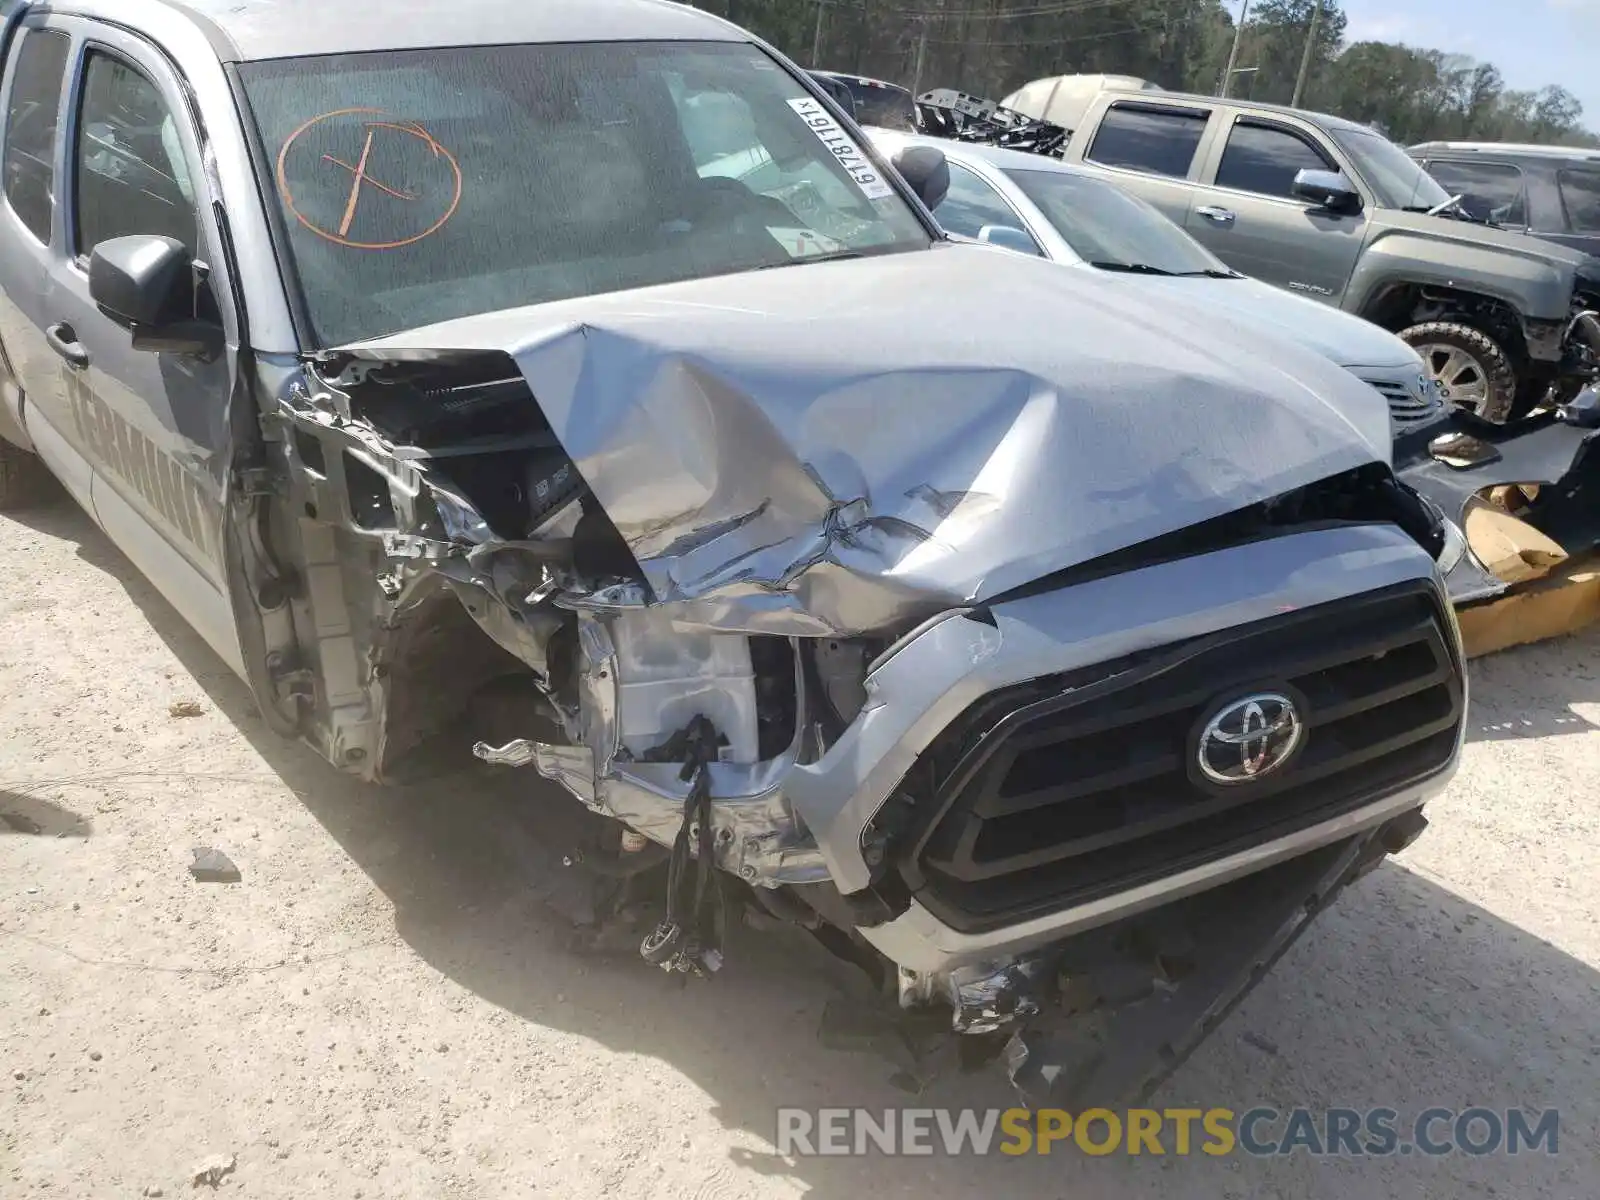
(64, 341)
(1222, 216)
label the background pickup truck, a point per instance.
(1333, 210)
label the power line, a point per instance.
(1059, 9)
(1062, 41)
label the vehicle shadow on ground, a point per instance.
(1404, 996)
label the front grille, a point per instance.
(1071, 787)
(1407, 406)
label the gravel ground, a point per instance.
(383, 1009)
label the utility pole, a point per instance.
(816, 38)
(1233, 54)
(922, 46)
(1305, 57)
(922, 54)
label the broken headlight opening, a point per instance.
(1426, 522)
(837, 670)
(1454, 547)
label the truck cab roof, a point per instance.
(1064, 99)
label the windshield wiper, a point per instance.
(1211, 273)
(801, 259)
(1130, 268)
(1451, 211)
(836, 256)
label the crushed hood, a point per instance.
(842, 447)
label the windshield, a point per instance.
(1106, 226)
(425, 185)
(1398, 181)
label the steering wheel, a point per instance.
(721, 185)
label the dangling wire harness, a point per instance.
(688, 940)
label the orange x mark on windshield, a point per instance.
(360, 176)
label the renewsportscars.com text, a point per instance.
(1259, 1132)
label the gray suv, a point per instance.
(593, 398)
(1333, 210)
(1552, 192)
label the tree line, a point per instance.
(991, 47)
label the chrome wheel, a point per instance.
(1462, 378)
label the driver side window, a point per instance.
(129, 168)
(1265, 159)
(971, 204)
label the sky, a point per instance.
(1533, 42)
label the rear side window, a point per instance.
(1160, 141)
(1265, 159)
(1580, 196)
(131, 175)
(1499, 185)
(31, 128)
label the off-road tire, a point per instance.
(1499, 372)
(24, 480)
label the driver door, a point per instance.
(1247, 214)
(152, 425)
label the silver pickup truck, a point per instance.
(1333, 210)
(445, 377)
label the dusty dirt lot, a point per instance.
(383, 1009)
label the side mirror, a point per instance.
(141, 279)
(147, 283)
(1327, 189)
(927, 171)
(1009, 237)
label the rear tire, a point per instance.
(23, 478)
(1473, 370)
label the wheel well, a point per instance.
(435, 662)
(1405, 305)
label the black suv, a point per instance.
(870, 101)
(1552, 192)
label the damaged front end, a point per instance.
(928, 687)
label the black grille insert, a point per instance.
(1075, 786)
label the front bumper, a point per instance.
(921, 942)
(1562, 459)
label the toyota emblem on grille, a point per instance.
(1250, 738)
